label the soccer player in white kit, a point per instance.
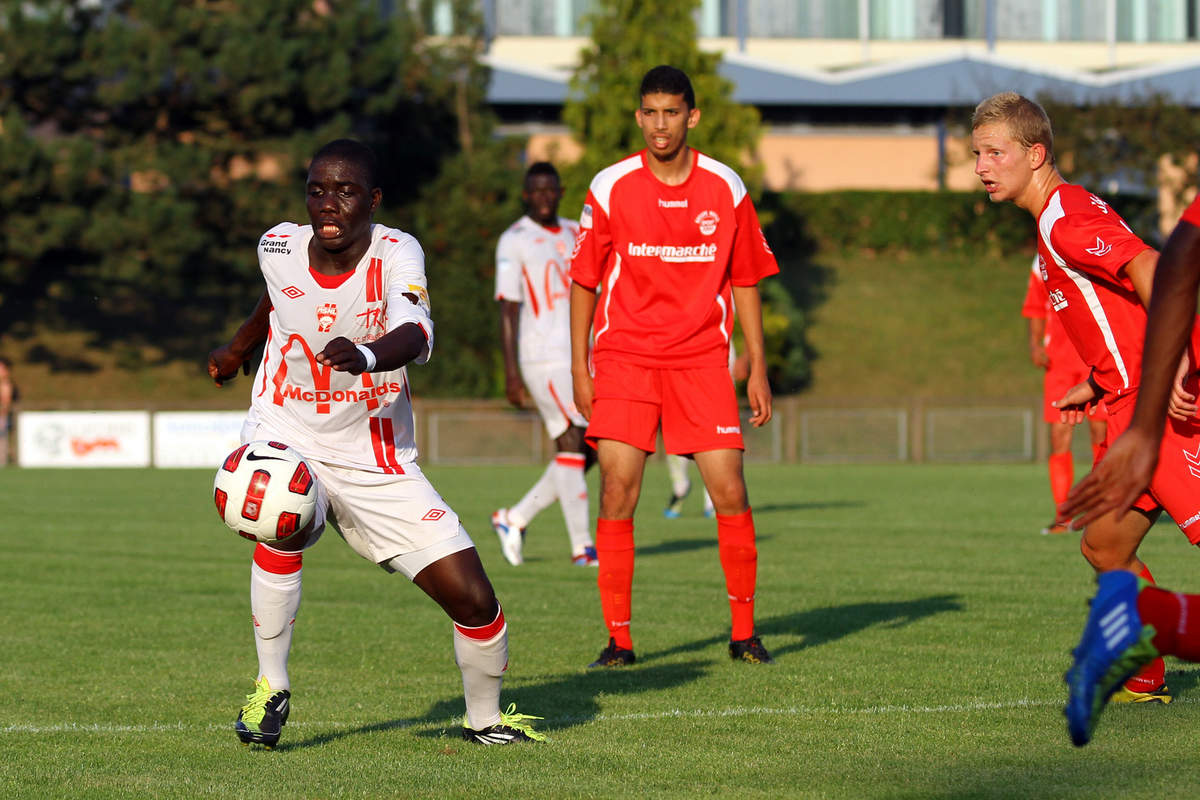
(346, 308)
(532, 261)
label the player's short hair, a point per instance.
(1026, 120)
(541, 168)
(668, 80)
(355, 152)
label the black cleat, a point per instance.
(750, 650)
(262, 718)
(512, 728)
(613, 656)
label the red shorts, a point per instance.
(1175, 486)
(1056, 383)
(697, 408)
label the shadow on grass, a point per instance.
(821, 625)
(578, 694)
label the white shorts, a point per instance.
(551, 388)
(397, 521)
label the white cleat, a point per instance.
(512, 538)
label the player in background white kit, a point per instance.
(346, 308)
(532, 261)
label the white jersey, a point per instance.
(359, 421)
(532, 268)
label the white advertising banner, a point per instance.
(195, 438)
(83, 438)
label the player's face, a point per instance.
(340, 204)
(542, 195)
(665, 120)
(1002, 164)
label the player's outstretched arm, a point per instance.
(223, 362)
(583, 307)
(1129, 464)
(391, 351)
(748, 306)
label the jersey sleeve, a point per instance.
(408, 292)
(1098, 242)
(593, 245)
(509, 285)
(751, 259)
(1191, 214)
(1036, 296)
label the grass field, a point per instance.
(920, 626)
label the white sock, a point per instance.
(677, 468)
(567, 470)
(274, 600)
(482, 657)
(536, 500)
(708, 506)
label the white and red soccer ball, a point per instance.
(265, 492)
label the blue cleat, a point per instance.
(1115, 645)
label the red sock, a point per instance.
(1176, 620)
(1062, 475)
(739, 560)
(1153, 674)
(614, 551)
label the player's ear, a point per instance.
(376, 198)
(693, 117)
(1037, 155)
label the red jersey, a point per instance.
(665, 258)
(1083, 247)
(1059, 350)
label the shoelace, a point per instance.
(513, 719)
(256, 705)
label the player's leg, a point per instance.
(1108, 545)
(1061, 466)
(569, 468)
(1130, 623)
(510, 523)
(275, 589)
(677, 467)
(621, 468)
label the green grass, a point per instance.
(919, 622)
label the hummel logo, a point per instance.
(1101, 249)
(253, 457)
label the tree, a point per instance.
(628, 38)
(146, 146)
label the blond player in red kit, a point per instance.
(1098, 275)
(669, 243)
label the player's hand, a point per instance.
(223, 365)
(1115, 483)
(1182, 404)
(1074, 406)
(1037, 354)
(758, 392)
(343, 355)
(584, 389)
(515, 391)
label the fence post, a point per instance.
(916, 430)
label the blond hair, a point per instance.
(1027, 121)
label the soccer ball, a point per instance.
(265, 492)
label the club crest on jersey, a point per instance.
(326, 316)
(707, 220)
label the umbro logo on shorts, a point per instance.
(433, 515)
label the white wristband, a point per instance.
(369, 355)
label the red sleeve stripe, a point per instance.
(383, 442)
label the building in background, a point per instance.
(839, 81)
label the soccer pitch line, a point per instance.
(678, 713)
